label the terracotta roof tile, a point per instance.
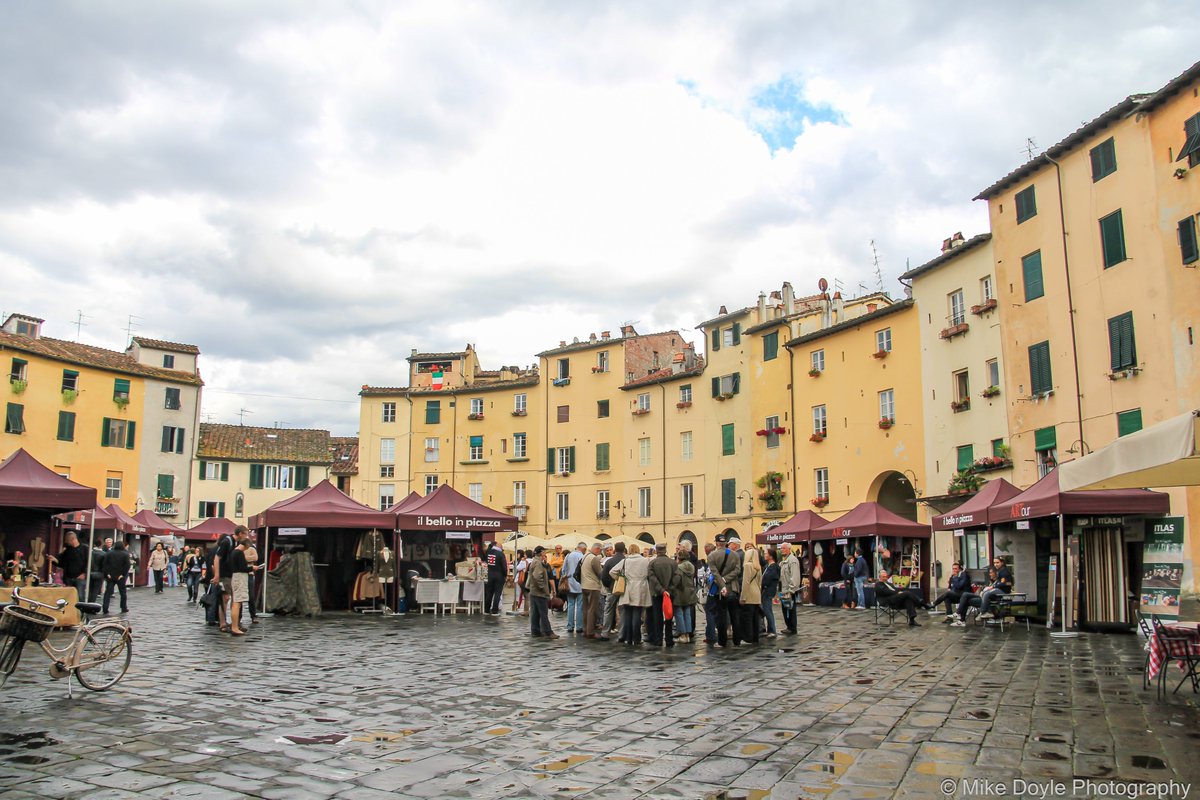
(665, 376)
(245, 443)
(174, 347)
(89, 356)
(949, 255)
(478, 386)
(436, 356)
(344, 450)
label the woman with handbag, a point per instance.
(751, 595)
(636, 596)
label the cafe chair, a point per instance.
(1179, 648)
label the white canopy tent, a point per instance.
(1166, 454)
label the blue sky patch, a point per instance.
(780, 111)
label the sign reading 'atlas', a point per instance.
(456, 523)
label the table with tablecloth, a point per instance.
(1158, 650)
(835, 593)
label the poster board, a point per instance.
(1019, 551)
(1162, 567)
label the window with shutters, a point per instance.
(1026, 201)
(14, 419)
(166, 486)
(172, 439)
(387, 451)
(1031, 274)
(687, 495)
(716, 339)
(431, 483)
(770, 346)
(70, 380)
(883, 340)
(432, 450)
(112, 485)
(601, 409)
(1121, 348)
(121, 389)
(958, 308)
(171, 400)
(475, 492)
(564, 413)
(520, 445)
(117, 433)
(214, 471)
(821, 482)
(726, 385)
(685, 393)
(643, 501)
(270, 476)
(1191, 141)
(433, 412)
(19, 370)
(602, 503)
(887, 405)
(819, 424)
(1045, 445)
(727, 337)
(817, 360)
(66, 426)
(1041, 380)
(962, 386)
(644, 452)
(602, 363)
(389, 412)
(1188, 249)
(387, 496)
(1112, 239)
(287, 477)
(685, 446)
(729, 496)
(1129, 422)
(209, 509)
(643, 402)
(475, 453)
(168, 361)
(727, 439)
(564, 369)
(1104, 159)
(562, 503)
(564, 459)
(966, 456)
(772, 429)
(999, 449)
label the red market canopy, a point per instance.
(974, 512)
(871, 519)
(797, 529)
(210, 530)
(104, 520)
(322, 506)
(156, 524)
(27, 483)
(406, 503)
(445, 509)
(125, 522)
(1046, 499)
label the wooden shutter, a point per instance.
(166, 485)
(716, 387)
(1121, 348)
(66, 426)
(179, 442)
(166, 439)
(200, 510)
(1187, 241)
(221, 509)
(571, 458)
(737, 333)
(551, 466)
(966, 457)
(130, 431)
(1031, 270)
(203, 470)
(1112, 238)
(1129, 422)
(1045, 439)
(737, 382)
(716, 339)
(771, 346)
(106, 423)
(729, 496)
(1040, 377)
(727, 440)
(224, 470)
(602, 456)
(1026, 201)
(302, 477)
(256, 476)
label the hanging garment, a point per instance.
(369, 544)
(292, 586)
(366, 587)
(385, 565)
(439, 550)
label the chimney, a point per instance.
(414, 352)
(591, 337)
(946, 245)
(762, 306)
(605, 334)
(839, 306)
(957, 239)
(722, 311)
(789, 299)
(562, 342)
(627, 330)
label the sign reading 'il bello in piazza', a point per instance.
(440, 523)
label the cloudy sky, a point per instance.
(308, 191)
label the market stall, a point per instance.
(973, 542)
(210, 530)
(887, 541)
(136, 537)
(160, 530)
(797, 531)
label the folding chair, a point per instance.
(1148, 635)
(886, 611)
(1179, 648)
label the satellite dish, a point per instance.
(823, 285)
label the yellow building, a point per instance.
(80, 410)
(1095, 252)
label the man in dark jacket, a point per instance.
(959, 583)
(73, 562)
(497, 574)
(116, 573)
(725, 563)
(860, 580)
(539, 586)
(610, 624)
(887, 594)
(96, 576)
(660, 577)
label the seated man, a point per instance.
(959, 583)
(1001, 586)
(887, 594)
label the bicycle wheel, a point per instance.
(104, 656)
(10, 655)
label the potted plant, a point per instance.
(69, 396)
(122, 401)
(990, 391)
(763, 432)
(960, 405)
(814, 373)
(773, 498)
(819, 436)
(564, 474)
(779, 431)
(880, 353)
(519, 413)
(637, 412)
(474, 416)
(986, 305)
(820, 501)
(684, 404)
(964, 482)
(597, 369)
(19, 385)
(886, 422)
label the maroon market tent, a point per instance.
(1046, 499)
(870, 519)
(445, 509)
(797, 529)
(406, 503)
(26, 483)
(104, 520)
(322, 506)
(210, 530)
(156, 524)
(974, 512)
(126, 522)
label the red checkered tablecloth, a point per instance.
(1158, 653)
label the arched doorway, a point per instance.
(644, 536)
(894, 491)
(731, 532)
(688, 536)
(602, 536)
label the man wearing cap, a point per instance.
(789, 584)
(660, 577)
(539, 586)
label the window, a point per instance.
(387, 470)
(214, 471)
(520, 403)
(564, 369)
(1104, 159)
(70, 381)
(770, 346)
(1121, 347)
(14, 420)
(475, 492)
(687, 495)
(975, 550)
(727, 337)
(685, 393)
(117, 433)
(66, 426)
(433, 412)
(958, 308)
(19, 371)
(562, 502)
(817, 359)
(431, 483)
(887, 404)
(210, 510)
(821, 482)
(644, 501)
(999, 449)
(601, 410)
(992, 369)
(387, 496)
(1188, 249)
(655, 363)
(271, 476)
(883, 340)
(564, 459)
(168, 361)
(389, 412)
(121, 389)
(987, 291)
(171, 400)
(172, 439)
(727, 439)
(643, 401)
(962, 387)
(518, 493)
(1112, 239)
(166, 486)
(819, 420)
(685, 446)
(1026, 204)
(726, 385)
(772, 428)
(520, 444)
(475, 453)
(602, 504)
(477, 406)
(966, 456)
(564, 413)
(1191, 143)
(1041, 381)
(729, 496)
(1031, 273)
(602, 361)
(112, 486)
(387, 451)
(1045, 443)
(432, 445)
(1129, 422)
(644, 452)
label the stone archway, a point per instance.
(602, 537)
(645, 536)
(894, 491)
(688, 536)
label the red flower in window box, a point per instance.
(684, 404)
(762, 432)
(886, 422)
(986, 305)
(474, 416)
(637, 412)
(881, 353)
(779, 431)
(960, 405)
(820, 502)
(817, 437)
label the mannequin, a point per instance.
(385, 566)
(37, 555)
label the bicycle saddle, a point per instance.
(89, 608)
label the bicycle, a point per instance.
(98, 654)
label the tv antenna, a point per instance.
(79, 323)
(130, 325)
(242, 412)
(875, 261)
(1031, 148)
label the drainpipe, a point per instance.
(663, 387)
(454, 440)
(1062, 220)
(411, 440)
(792, 408)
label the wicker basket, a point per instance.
(22, 623)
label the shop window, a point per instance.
(974, 553)
(389, 412)
(171, 399)
(1112, 239)
(1104, 159)
(1031, 275)
(1026, 201)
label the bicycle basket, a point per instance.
(23, 623)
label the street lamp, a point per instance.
(749, 500)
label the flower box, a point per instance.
(960, 405)
(564, 474)
(820, 502)
(984, 307)
(519, 413)
(991, 463)
(779, 431)
(562, 381)
(954, 330)
(724, 396)
(990, 391)
(18, 385)
(69, 396)
(684, 404)
(599, 369)
(817, 437)
(886, 423)
(637, 412)
(474, 416)
(880, 354)
(814, 373)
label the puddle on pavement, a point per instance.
(566, 763)
(27, 759)
(382, 736)
(754, 749)
(980, 714)
(1049, 738)
(24, 741)
(865, 681)
(1148, 762)
(326, 738)
(625, 759)
(837, 764)
(1047, 755)
(498, 731)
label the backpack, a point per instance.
(578, 576)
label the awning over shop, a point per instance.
(322, 506)
(27, 483)
(870, 519)
(1046, 499)
(1166, 454)
(156, 524)
(125, 522)
(445, 509)
(974, 512)
(210, 530)
(797, 529)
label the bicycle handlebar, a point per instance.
(34, 604)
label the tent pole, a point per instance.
(266, 557)
(1063, 572)
(87, 586)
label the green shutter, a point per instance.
(166, 485)
(998, 448)
(716, 387)
(1187, 241)
(1031, 270)
(1104, 159)
(166, 439)
(602, 457)
(551, 466)
(66, 426)
(716, 339)
(256, 476)
(1122, 352)
(130, 430)
(15, 422)
(203, 469)
(221, 509)
(179, 442)
(1040, 378)
(1129, 422)
(1044, 439)
(1026, 201)
(224, 470)
(727, 441)
(729, 496)
(301, 477)
(966, 457)
(120, 387)
(433, 412)
(571, 458)
(737, 333)
(1112, 238)
(737, 382)
(104, 430)
(771, 346)
(200, 510)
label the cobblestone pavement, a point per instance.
(418, 706)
